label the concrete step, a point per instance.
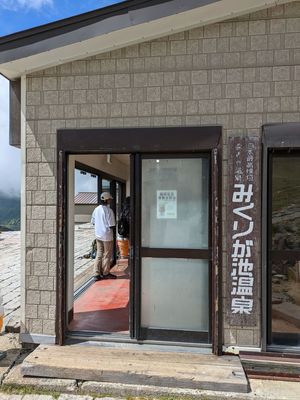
(274, 365)
(156, 368)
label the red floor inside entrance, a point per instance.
(103, 307)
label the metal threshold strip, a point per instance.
(83, 288)
(124, 341)
(284, 349)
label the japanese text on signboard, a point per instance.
(242, 256)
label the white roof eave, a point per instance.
(208, 14)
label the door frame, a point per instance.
(276, 137)
(139, 141)
(203, 254)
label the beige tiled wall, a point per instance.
(240, 74)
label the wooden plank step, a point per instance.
(138, 367)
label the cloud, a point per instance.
(15, 5)
(84, 183)
(9, 156)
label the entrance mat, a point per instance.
(271, 365)
(138, 367)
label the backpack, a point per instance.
(123, 227)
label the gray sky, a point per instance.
(9, 156)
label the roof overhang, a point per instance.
(113, 27)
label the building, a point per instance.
(198, 104)
(85, 203)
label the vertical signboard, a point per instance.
(243, 230)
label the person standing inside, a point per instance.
(124, 220)
(103, 219)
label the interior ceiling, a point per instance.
(113, 164)
(124, 158)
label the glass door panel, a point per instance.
(175, 253)
(175, 203)
(284, 263)
(286, 302)
(286, 203)
(163, 279)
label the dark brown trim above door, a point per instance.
(139, 140)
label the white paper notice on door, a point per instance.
(166, 204)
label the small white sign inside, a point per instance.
(166, 204)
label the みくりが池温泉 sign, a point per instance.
(243, 229)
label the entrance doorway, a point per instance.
(99, 307)
(284, 249)
(175, 243)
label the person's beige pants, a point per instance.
(103, 257)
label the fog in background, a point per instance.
(17, 15)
